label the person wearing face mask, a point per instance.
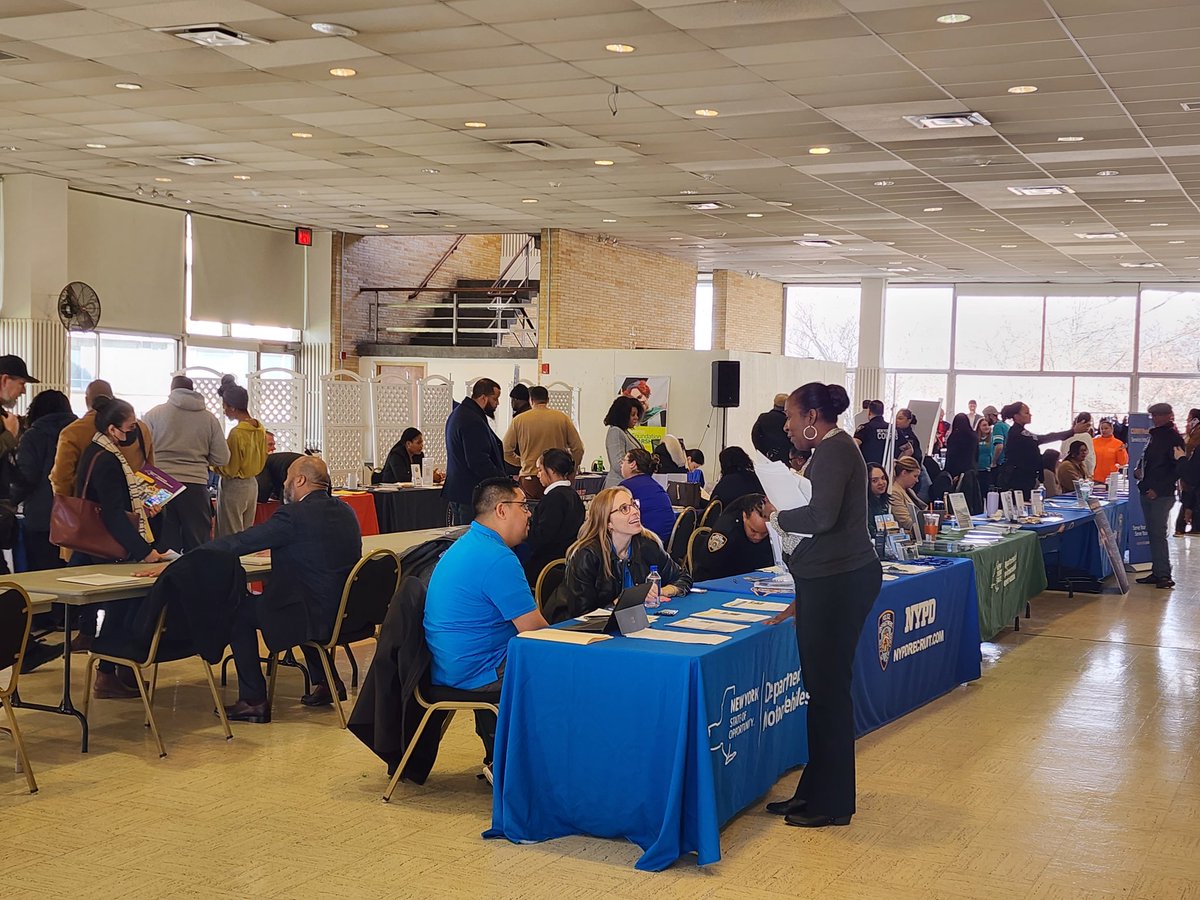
(613, 552)
(106, 478)
(237, 492)
(473, 451)
(315, 541)
(740, 540)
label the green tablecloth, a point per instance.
(1008, 574)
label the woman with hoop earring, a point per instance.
(837, 579)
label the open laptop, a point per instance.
(628, 615)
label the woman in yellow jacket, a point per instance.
(237, 492)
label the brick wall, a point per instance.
(747, 313)
(397, 260)
(595, 295)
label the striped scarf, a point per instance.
(139, 489)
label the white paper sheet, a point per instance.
(561, 636)
(99, 579)
(677, 637)
(780, 485)
(732, 615)
(707, 625)
(762, 605)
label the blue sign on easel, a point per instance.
(1139, 538)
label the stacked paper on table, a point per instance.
(678, 637)
(561, 636)
(761, 605)
(707, 625)
(99, 579)
(732, 615)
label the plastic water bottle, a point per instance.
(1038, 501)
(654, 596)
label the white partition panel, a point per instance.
(392, 411)
(277, 400)
(565, 399)
(207, 381)
(343, 413)
(435, 401)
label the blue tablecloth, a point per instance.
(663, 743)
(1079, 543)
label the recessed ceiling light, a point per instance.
(431, 171)
(1023, 89)
(212, 35)
(1073, 139)
(1099, 235)
(449, 226)
(603, 162)
(818, 151)
(811, 234)
(277, 205)
(162, 180)
(241, 177)
(704, 205)
(1141, 265)
(380, 225)
(333, 29)
(829, 242)
(1175, 242)
(475, 124)
(608, 221)
(1107, 173)
(883, 183)
(933, 209)
(343, 72)
(754, 215)
(1159, 224)
(968, 119)
(128, 85)
(97, 146)
(688, 193)
(954, 18)
(529, 200)
(1135, 201)
(979, 230)
(1008, 246)
(301, 134)
(619, 48)
(1048, 190)
(707, 113)
(1192, 257)
(676, 239)
(781, 203)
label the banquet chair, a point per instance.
(200, 590)
(684, 526)
(16, 616)
(714, 509)
(548, 581)
(700, 534)
(368, 590)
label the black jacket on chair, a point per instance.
(585, 586)
(554, 527)
(386, 715)
(736, 484)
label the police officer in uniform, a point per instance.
(739, 542)
(872, 435)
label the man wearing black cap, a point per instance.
(1156, 474)
(519, 397)
(13, 378)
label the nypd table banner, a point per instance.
(1138, 536)
(661, 742)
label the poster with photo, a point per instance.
(653, 392)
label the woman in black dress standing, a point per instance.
(837, 581)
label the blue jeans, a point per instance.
(1157, 513)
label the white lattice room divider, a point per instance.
(277, 400)
(392, 410)
(343, 413)
(565, 399)
(435, 401)
(206, 381)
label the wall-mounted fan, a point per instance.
(79, 307)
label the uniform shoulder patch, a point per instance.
(716, 541)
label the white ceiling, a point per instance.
(785, 75)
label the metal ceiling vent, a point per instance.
(706, 205)
(212, 35)
(1191, 105)
(530, 144)
(948, 120)
(199, 160)
(425, 213)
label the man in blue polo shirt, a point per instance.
(479, 598)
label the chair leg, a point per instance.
(353, 666)
(153, 687)
(272, 671)
(387, 795)
(225, 669)
(331, 683)
(216, 695)
(89, 668)
(20, 742)
(162, 751)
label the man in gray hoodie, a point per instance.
(191, 440)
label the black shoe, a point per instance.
(256, 713)
(789, 807)
(38, 653)
(816, 821)
(1164, 584)
(320, 695)
(1149, 579)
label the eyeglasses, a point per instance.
(626, 508)
(524, 504)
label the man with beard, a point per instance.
(13, 377)
(473, 451)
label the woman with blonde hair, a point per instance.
(614, 552)
(906, 505)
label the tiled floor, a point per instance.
(1070, 770)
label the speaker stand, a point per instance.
(724, 427)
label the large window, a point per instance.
(1170, 323)
(822, 322)
(1002, 333)
(704, 313)
(138, 368)
(916, 328)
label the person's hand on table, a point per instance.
(151, 571)
(779, 618)
(438, 476)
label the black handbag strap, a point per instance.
(88, 477)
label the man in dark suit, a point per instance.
(768, 436)
(314, 541)
(473, 452)
(558, 515)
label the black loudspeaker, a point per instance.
(726, 383)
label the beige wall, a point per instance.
(598, 295)
(747, 313)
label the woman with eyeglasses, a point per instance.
(614, 552)
(637, 470)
